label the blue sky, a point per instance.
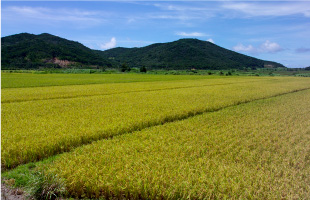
(277, 31)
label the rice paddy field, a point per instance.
(130, 136)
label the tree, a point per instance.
(143, 69)
(125, 67)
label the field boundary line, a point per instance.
(113, 93)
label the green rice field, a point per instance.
(133, 136)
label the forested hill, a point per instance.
(29, 51)
(185, 54)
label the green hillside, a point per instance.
(184, 54)
(29, 51)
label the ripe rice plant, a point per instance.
(38, 129)
(258, 150)
(16, 80)
(72, 91)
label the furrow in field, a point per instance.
(68, 92)
(258, 150)
(35, 130)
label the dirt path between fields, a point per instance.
(8, 193)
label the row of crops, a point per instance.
(227, 137)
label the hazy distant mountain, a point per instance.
(29, 51)
(184, 54)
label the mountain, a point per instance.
(29, 51)
(184, 54)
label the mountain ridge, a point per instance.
(29, 51)
(184, 54)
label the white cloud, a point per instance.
(266, 47)
(109, 45)
(270, 47)
(183, 12)
(172, 16)
(193, 34)
(42, 15)
(131, 20)
(172, 7)
(211, 40)
(241, 47)
(270, 8)
(201, 10)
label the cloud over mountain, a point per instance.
(266, 47)
(109, 45)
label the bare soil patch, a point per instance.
(8, 193)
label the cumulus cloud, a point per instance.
(302, 50)
(193, 34)
(270, 47)
(210, 40)
(109, 45)
(241, 47)
(266, 47)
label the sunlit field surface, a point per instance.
(157, 136)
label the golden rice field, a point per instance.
(259, 150)
(19, 80)
(72, 91)
(156, 137)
